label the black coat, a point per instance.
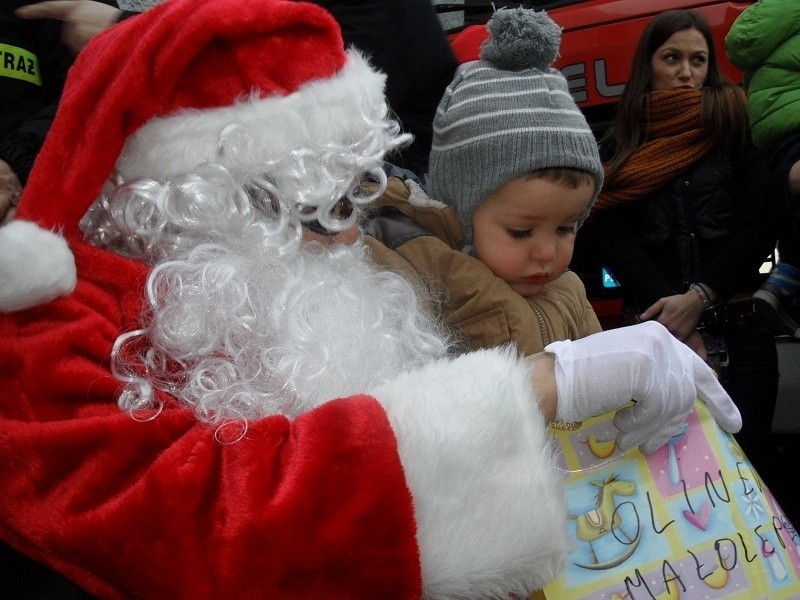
(404, 39)
(33, 67)
(714, 223)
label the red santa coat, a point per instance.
(442, 478)
(439, 483)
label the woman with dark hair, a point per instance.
(723, 104)
(682, 221)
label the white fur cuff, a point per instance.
(489, 502)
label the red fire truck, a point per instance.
(598, 41)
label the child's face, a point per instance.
(525, 231)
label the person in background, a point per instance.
(764, 42)
(684, 221)
(138, 5)
(32, 72)
(200, 400)
(508, 194)
(36, 55)
(403, 38)
(80, 20)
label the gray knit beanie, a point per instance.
(508, 114)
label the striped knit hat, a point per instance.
(508, 114)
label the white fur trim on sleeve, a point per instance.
(488, 500)
(36, 266)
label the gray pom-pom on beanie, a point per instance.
(521, 39)
(508, 114)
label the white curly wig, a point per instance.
(243, 318)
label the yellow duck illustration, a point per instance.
(601, 448)
(718, 578)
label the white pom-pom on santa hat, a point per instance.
(36, 266)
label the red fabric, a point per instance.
(316, 508)
(467, 43)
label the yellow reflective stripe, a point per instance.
(18, 63)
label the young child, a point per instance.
(764, 42)
(514, 171)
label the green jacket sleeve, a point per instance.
(759, 30)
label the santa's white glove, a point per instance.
(643, 363)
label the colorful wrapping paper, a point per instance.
(692, 520)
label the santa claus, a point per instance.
(208, 390)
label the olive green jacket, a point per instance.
(410, 233)
(764, 42)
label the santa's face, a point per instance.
(331, 238)
(347, 237)
(314, 231)
(266, 310)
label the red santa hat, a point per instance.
(150, 96)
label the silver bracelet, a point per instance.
(704, 296)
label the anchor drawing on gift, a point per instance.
(603, 519)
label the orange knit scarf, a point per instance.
(676, 139)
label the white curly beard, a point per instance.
(243, 319)
(259, 331)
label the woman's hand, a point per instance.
(680, 314)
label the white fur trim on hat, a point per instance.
(489, 503)
(36, 266)
(322, 110)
